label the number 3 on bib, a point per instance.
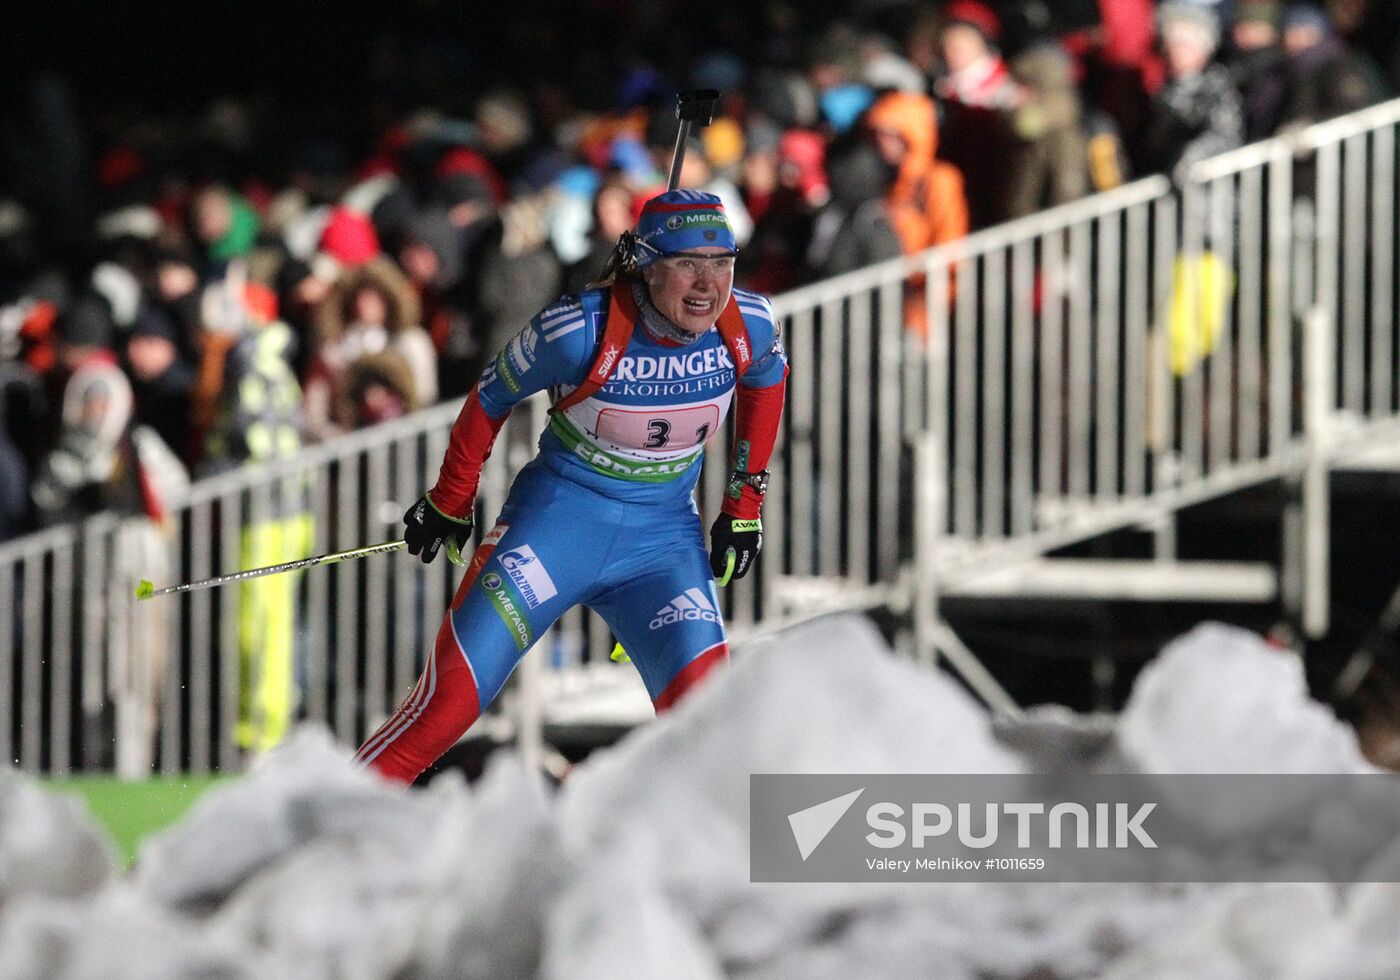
(659, 430)
(658, 434)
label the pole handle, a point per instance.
(692, 107)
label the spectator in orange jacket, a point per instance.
(925, 199)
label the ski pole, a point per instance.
(692, 107)
(697, 106)
(148, 591)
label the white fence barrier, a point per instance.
(1095, 366)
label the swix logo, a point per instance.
(689, 606)
(609, 357)
(741, 344)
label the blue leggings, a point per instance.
(642, 566)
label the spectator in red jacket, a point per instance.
(774, 259)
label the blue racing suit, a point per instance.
(603, 516)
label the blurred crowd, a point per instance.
(186, 292)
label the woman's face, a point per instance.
(369, 307)
(890, 145)
(962, 46)
(1187, 54)
(612, 212)
(690, 290)
(1254, 35)
(150, 357)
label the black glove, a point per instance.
(744, 538)
(428, 529)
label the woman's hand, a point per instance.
(427, 529)
(741, 538)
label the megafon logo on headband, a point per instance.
(711, 218)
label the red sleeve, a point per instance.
(757, 414)
(467, 451)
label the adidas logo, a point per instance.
(689, 606)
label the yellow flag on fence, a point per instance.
(1201, 288)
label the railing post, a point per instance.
(529, 690)
(529, 731)
(929, 491)
(131, 671)
(1281, 238)
(1318, 374)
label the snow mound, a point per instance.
(501, 866)
(614, 920)
(1051, 738)
(49, 845)
(1221, 700)
(310, 869)
(316, 861)
(826, 697)
(1245, 931)
(304, 788)
(118, 934)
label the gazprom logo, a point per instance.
(529, 575)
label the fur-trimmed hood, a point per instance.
(404, 311)
(388, 368)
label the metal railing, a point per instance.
(1095, 366)
(1111, 361)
